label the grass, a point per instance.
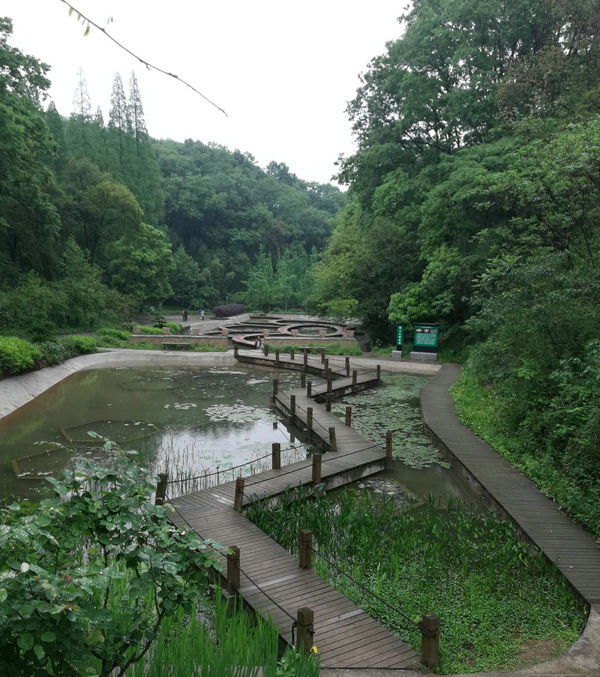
(469, 568)
(210, 636)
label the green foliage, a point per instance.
(469, 568)
(89, 575)
(175, 327)
(118, 334)
(52, 352)
(79, 345)
(151, 330)
(16, 355)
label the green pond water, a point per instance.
(204, 420)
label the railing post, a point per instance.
(378, 374)
(305, 549)
(303, 379)
(354, 379)
(161, 488)
(266, 350)
(305, 358)
(239, 494)
(329, 381)
(276, 455)
(276, 358)
(332, 440)
(326, 364)
(305, 619)
(327, 402)
(316, 468)
(275, 387)
(233, 570)
(309, 421)
(430, 640)
(235, 349)
(347, 366)
(309, 389)
(292, 357)
(293, 407)
(322, 355)
(348, 416)
(388, 449)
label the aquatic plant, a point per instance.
(469, 568)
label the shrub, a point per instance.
(16, 355)
(228, 310)
(52, 352)
(78, 345)
(41, 331)
(175, 327)
(150, 330)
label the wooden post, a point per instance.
(322, 355)
(305, 358)
(305, 549)
(348, 416)
(327, 402)
(276, 455)
(293, 406)
(266, 350)
(332, 440)
(305, 619)
(276, 358)
(347, 366)
(309, 420)
(316, 468)
(235, 349)
(303, 379)
(379, 374)
(430, 640)
(239, 494)
(292, 354)
(161, 488)
(309, 389)
(326, 364)
(354, 378)
(388, 448)
(233, 570)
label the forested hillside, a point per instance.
(475, 202)
(98, 219)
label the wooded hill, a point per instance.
(475, 201)
(96, 216)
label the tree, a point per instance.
(185, 278)
(141, 263)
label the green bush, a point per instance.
(149, 330)
(330, 348)
(108, 333)
(41, 331)
(79, 345)
(16, 355)
(175, 327)
(52, 352)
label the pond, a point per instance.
(203, 422)
(189, 421)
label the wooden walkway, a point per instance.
(272, 582)
(573, 549)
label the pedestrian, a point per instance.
(201, 314)
(184, 315)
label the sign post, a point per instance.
(397, 354)
(425, 343)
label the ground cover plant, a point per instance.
(471, 569)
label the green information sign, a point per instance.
(426, 336)
(399, 335)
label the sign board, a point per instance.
(426, 336)
(399, 335)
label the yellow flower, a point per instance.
(313, 649)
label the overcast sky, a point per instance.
(283, 70)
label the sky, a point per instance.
(283, 70)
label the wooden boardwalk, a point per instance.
(272, 581)
(573, 549)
